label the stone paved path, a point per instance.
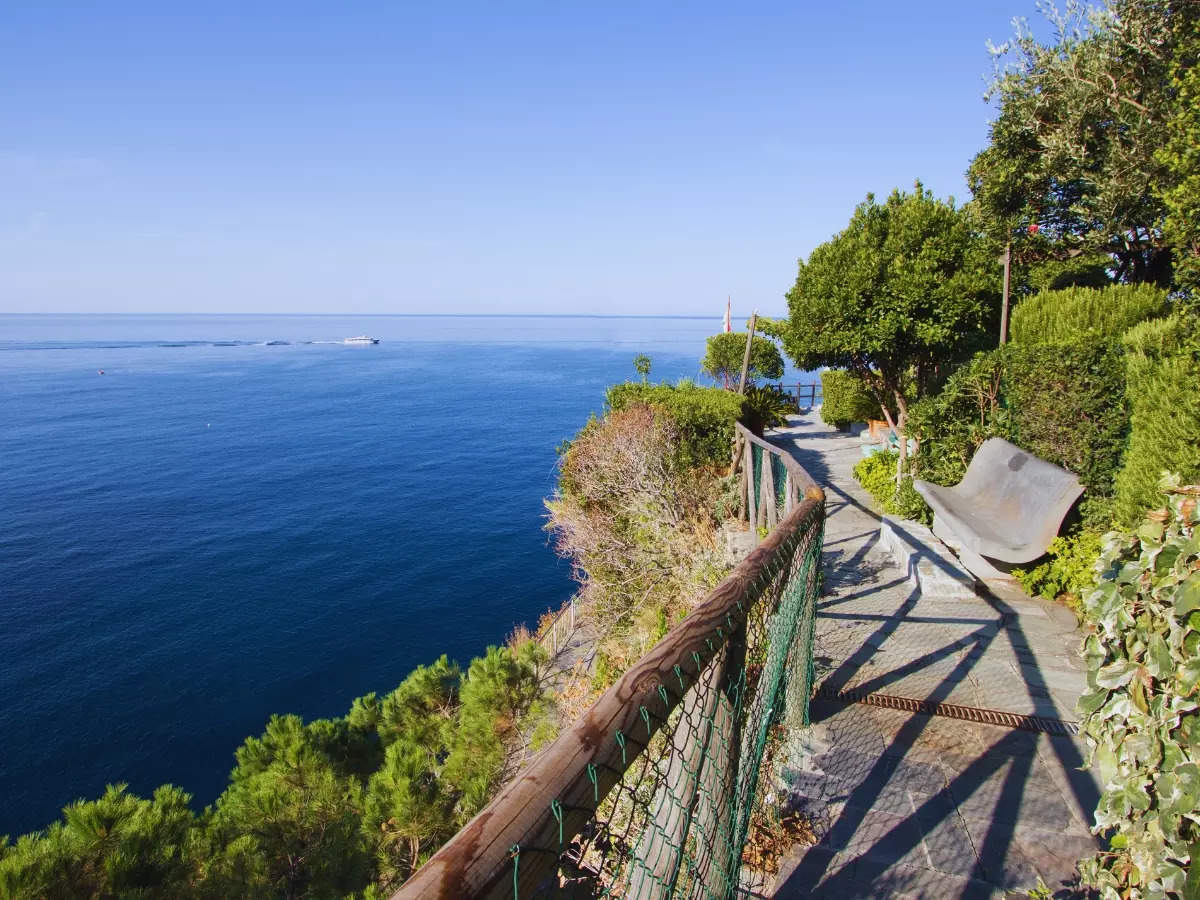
(908, 805)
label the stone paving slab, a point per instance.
(909, 805)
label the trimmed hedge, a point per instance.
(846, 400)
(1063, 403)
(1163, 373)
(705, 415)
(1077, 313)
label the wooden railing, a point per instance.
(649, 793)
(763, 501)
(558, 633)
(812, 390)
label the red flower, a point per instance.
(1033, 229)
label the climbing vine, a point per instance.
(1142, 712)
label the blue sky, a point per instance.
(458, 157)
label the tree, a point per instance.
(118, 845)
(905, 289)
(302, 819)
(1075, 163)
(406, 814)
(641, 362)
(1180, 156)
(725, 352)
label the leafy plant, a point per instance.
(725, 352)
(1069, 572)
(846, 399)
(767, 406)
(877, 474)
(1073, 314)
(1141, 714)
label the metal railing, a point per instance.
(651, 792)
(811, 390)
(557, 634)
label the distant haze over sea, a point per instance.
(242, 517)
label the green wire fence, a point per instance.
(651, 793)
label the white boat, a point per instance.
(361, 339)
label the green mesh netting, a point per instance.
(676, 822)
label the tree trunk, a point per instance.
(902, 438)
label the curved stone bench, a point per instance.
(1006, 510)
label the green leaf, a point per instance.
(1158, 657)
(1116, 674)
(1188, 675)
(1187, 596)
(1090, 702)
(1150, 533)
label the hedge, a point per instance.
(1062, 403)
(705, 415)
(1163, 374)
(1076, 313)
(845, 399)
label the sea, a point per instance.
(206, 520)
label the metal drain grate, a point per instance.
(952, 711)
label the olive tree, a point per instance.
(908, 287)
(1092, 132)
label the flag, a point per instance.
(728, 316)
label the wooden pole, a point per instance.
(1004, 304)
(746, 357)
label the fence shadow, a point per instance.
(909, 804)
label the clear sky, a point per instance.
(512, 157)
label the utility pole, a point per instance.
(746, 357)
(1004, 306)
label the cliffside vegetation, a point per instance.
(642, 492)
(329, 808)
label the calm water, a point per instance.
(217, 529)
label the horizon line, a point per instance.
(394, 315)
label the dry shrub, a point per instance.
(634, 519)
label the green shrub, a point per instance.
(846, 399)
(1077, 313)
(1141, 714)
(1068, 574)
(1163, 372)
(725, 352)
(1067, 405)
(952, 424)
(767, 406)
(704, 415)
(1062, 403)
(877, 475)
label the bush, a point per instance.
(1077, 313)
(1068, 574)
(703, 415)
(767, 407)
(846, 399)
(1062, 403)
(1163, 373)
(725, 352)
(1141, 715)
(877, 474)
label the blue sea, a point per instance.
(242, 516)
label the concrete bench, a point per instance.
(1006, 510)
